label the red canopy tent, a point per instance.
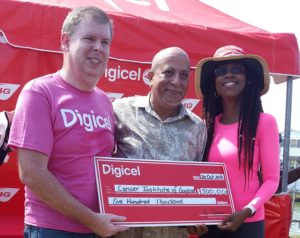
(30, 47)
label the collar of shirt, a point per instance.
(144, 102)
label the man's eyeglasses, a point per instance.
(233, 69)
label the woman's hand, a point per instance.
(233, 222)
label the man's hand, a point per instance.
(197, 229)
(104, 225)
(33, 170)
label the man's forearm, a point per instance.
(35, 175)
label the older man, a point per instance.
(158, 126)
(56, 138)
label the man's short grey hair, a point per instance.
(76, 15)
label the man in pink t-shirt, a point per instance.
(61, 122)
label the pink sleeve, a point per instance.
(32, 124)
(269, 150)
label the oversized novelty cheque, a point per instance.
(163, 193)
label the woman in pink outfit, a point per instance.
(240, 135)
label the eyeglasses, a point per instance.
(233, 69)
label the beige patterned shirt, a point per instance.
(141, 134)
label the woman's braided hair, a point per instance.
(248, 119)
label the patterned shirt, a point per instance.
(141, 134)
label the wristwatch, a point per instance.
(252, 209)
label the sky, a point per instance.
(274, 16)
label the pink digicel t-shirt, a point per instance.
(70, 126)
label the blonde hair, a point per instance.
(76, 15)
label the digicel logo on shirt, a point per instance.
(89, 121)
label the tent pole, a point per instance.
(287, 130)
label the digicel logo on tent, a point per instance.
(114, 96)
(118, 73)
(190, 103)
(161, 4)
(7, 90)
(7, 193)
